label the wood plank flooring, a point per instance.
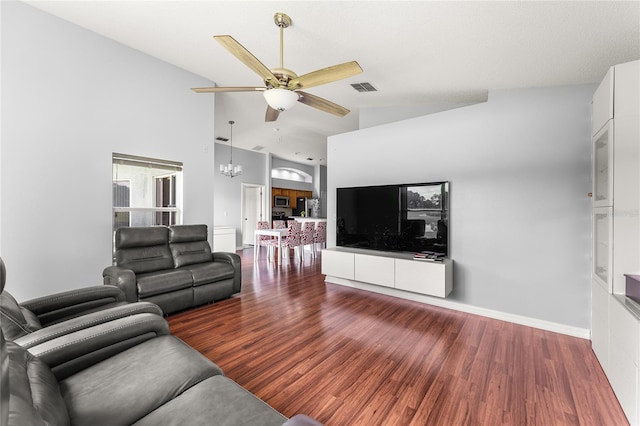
(350, 357)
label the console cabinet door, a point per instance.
(430, 278)
(338, 264)
(374, 269)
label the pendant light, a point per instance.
(229, 169)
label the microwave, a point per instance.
(280, 201)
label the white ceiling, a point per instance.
(415, 53)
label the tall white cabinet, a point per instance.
(615, 319)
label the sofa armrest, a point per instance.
(75, 324)
(73, 352)
(234, 260)
(301, 420)
(56, 306)
(124, 279)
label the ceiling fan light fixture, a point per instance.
(280, 99)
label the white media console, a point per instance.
(395, 270)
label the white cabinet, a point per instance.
(224, 239)
(603, 102)
(626, 174)
(415, 276)
(376, 270)
(339, 264)
(624, 348)
(603, 246)
(600, 323)
(394, 270)
(603, 167)
(615, 319)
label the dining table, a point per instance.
(278, 233)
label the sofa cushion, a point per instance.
(215, 401)
(189, 244)
(145, 259)
(126, 387)
(163, 282)
(204, 273)
(143, 249)
(189, 253)
(187, 233)
(143, 236)
(174, 301)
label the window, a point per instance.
(121, 198)
(146, 191)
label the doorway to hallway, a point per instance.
(253, 210)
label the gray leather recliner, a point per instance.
(44, 318)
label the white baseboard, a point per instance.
(582, 333)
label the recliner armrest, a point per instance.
(301, 420)
(72, 325)
(234, 260)
(54, 307)
(70, 353)
(124, 279)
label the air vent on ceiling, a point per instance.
(364, 87)
(258, 148)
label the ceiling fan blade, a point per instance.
(322, 104)
(248, 59)
(272, 114)
(228, 89)
(325, 75)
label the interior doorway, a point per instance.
(253, 210)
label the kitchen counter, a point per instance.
(308, 219)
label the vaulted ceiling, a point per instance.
(415, 53)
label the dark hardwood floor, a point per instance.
(350, 357)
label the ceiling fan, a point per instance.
(282, 86)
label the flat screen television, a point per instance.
(405, 218)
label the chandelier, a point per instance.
(229, 169)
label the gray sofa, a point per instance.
(128, 371)
(172, 267)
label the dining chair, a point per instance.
(308, 231)
(293, 239)
(263, 239)
(320, 234)
(279, 224)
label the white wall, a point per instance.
(369, 117)
(519, 167)
(70, 98)
(277, 163)
(228, 191)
